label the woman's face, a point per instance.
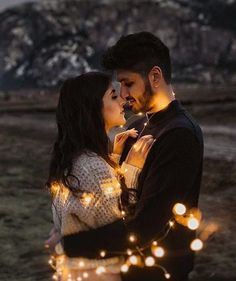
(113, 108)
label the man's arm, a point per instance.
(172, 169)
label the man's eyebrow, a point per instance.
(123, 80)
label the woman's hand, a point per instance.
(121, 138)
(139, 151)
(54, 238)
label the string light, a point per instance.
(193, 223)
(103, 254)
(179, 209)
(124, 268)
(140, 114)
(129, 252)
(188, 218)
(158, 251)
(196, 245)
(167, 276)
(85, 275)
(149, 261)
(87, 198)
(100, 270)
(133, 260)
(81, 264)
(132, 238)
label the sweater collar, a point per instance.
(165, 113)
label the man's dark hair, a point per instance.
(139, 52)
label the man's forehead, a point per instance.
(124, 75)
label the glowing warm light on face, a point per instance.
(179, 209)
(193, 223)
(124, 268)
(196, 245)
(149, 261)
(158, 251)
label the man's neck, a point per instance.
(162, 99)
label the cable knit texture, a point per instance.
(95, 200)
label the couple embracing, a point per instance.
(108, 199)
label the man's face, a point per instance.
(136, 90)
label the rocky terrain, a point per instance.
(43, 43)
(27, 131)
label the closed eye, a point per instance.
(129, 84)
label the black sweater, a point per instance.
(172, 173)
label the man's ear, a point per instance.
(155, 77)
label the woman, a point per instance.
(88, 187)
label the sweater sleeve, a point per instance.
(169, 178)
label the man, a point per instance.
(172, 172)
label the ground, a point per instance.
(26, 136)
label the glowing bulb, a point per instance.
(145, 124)
(85, 275)
(50, 261)
(129, 252)
(132, 238)
(54, 277)
(79, 279)
(100, 270)
(149, 261)
(193, 223)
(102, 254)
(154, 243)
(109, 190)
(196, 245)
(158, 252)
(167, 276)
(121, 126)
(171, 223)
(123, 213)
(140, 113)
(124, 268)
(179, 209)
(133, 260)
(87, 198)
(81, 264)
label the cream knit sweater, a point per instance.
(95, 202)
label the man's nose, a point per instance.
(124, 93)
(122, 102)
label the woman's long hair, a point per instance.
(80, 125)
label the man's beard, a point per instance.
(146, 99)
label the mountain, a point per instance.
(44, 42)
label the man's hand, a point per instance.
(121, 138)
